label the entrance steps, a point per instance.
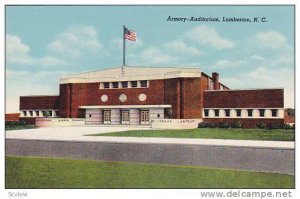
(119, 125)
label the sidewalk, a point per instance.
(78, 134)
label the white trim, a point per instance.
(246, 89)
(245, 108)
(244, 114)
(131, 74)
(127, 106)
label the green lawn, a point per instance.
(8, 128)
(28, 172)
(216, 133)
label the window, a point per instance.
(250, 112)
(216, 113)
(158, 115)
(124, 84)
(31, 113)
(37, 113)
(261, 112)
(25, 113)
(115, 84)
(144, 83)
(134, 84)
(210, 84)
(227, 112)
(50, 113)
(206, 112)
(238, 112)
(90, 115)
(106, 84)
(274, 112)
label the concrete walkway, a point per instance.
(78, 134)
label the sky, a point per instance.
(44, 43)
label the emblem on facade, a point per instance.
(104, 98)
(123, 98)
(142, 97)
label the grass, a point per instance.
(28, 172)
(18, 127)
(215, 133)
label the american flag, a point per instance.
(129, 35)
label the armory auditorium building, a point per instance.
(137, 95)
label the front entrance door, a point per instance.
(106, 117)
(145, 117)
(125, 117)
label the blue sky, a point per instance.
(46, 42)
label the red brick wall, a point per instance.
(203, 86)
(172, 96)
(12, 116)
(264, 98)
(87, 94)
(247, 123)
(39, 102)
(190, 98)
(64, 100)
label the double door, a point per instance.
(144, 114)
(106, 117)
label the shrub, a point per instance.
(287, 126)
(236, 124)
(261, 125)
(202, 125)
(15, 123)
(207, 125)
(223, 125)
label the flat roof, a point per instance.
(131, 73)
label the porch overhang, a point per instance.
(126, 106)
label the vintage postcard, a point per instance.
(156, 96)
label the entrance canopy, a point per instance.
(126, 106)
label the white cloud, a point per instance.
(152, 55)
(270, 40)
(18, 53)
(76, 41)
(181, 47)
(224, 63)
(256, 57)
(208, 36)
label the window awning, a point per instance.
(126, 106)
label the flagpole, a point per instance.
(124, 46)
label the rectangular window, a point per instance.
(238, 112)
(250, 112)
(115, 84)
(134, 84)
(37, 113)
(216, 113)
(274, 112)
(210, 84)
(124, 84)
(227, 112)
(31, 113)
(144, 83)
(50, 113)
(261, 112)
(206, 112)
(106, 84)
(25, 113)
